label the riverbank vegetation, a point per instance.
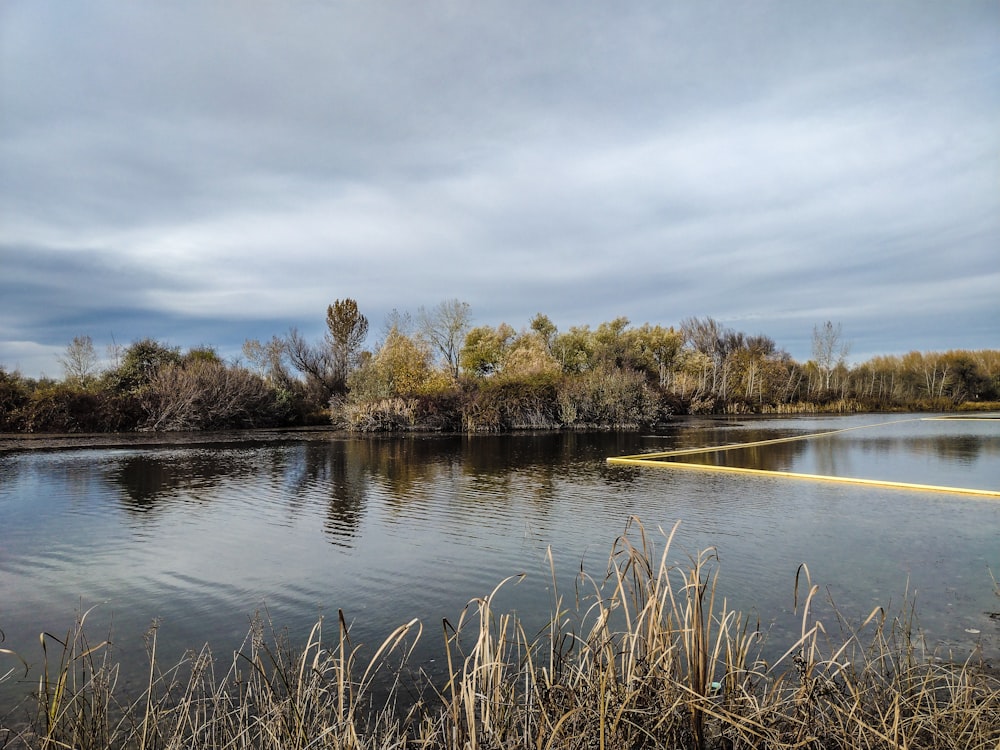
(436, 371)
(646, 655)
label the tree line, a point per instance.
(436, 371)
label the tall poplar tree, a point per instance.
(348, 329)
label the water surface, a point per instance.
(199, 532)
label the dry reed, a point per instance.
(645, 656)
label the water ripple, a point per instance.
(391, 529)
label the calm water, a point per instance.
(199, 535)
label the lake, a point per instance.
(199, 532)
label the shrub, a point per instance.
(207, 395)
(14, 395)
(609, 398)
(499, 404)
(383, 415)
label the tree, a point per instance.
(202, 354)
(401, 367)
(14, 394)
(756, 368)
(712, 339)
(347, 330)
(506, 354)
(485, 349)
(544, 327)
(268, 360)
(528, 357)
(967, 382)
(829, 349)
(611, 344)
(445, 327)
(657, 350)
(313, 362)
(402, 322)
(574, 349)
(80, 360)
(141, 361)
(115, 352)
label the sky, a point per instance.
(204, 172)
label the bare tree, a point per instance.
(400, 322)
(80, 360)
(314, 362)
(713, 340)
(115, 352)
(268, 360)
(829, 349)
(445, 327)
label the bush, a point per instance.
(207, 395)
(71, 409)
(383, 415)
(609, 398)
(14, 395)
(501, 404)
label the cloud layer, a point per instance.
(209, 172)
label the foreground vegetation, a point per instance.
(648, 657)
(438, 372)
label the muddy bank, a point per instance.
(14, 442)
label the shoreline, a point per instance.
(14, 442)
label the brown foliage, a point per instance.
(206, 395)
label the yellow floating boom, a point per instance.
(652, 459)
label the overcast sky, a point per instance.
(207, 172)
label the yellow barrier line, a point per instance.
(631, 461)
(947, 418)
(648, 459)
(772, 441)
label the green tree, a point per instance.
(201, 354)
(347, 330)
(398, 387)
(528, 358)
(656, 350)
(403, 366)
(485, 349)
(612, 345)
(574, 349)
(141, 361)
(544, 327)
(503, 353)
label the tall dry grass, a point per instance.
(645, 656)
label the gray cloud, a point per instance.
(208, 172)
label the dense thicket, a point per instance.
(442, 373)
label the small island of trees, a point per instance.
(436, 371)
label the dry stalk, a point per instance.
(647, 656)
